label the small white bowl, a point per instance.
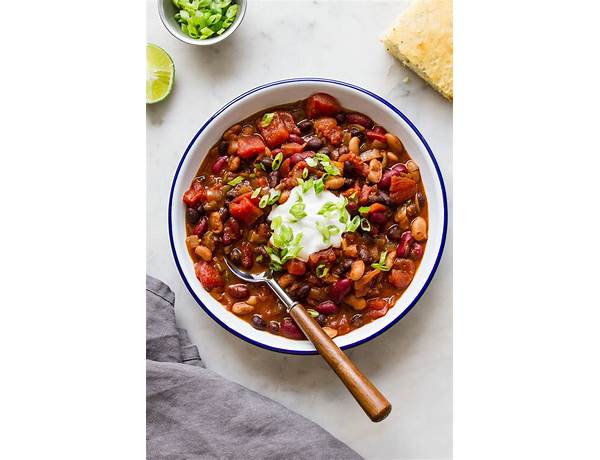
(353, 98)
(166, 10)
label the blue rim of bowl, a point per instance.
(317, 80)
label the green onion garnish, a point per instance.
(263, 201)
(256, 192)
(297, 210)
(353, 224)
(274, 197)
(365, 224)
(267, 119)
(235, 181)
(319, 186)
(204, 18)
(322, 270)
(277, 161)
(304, 173)
(311, 162)
(381, 264)
(312, 312)
(363, 209)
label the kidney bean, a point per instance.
(340, 289)
(352, 207)
(224, 213)
(201, 226)
(305, 125)
(238, 291)
(327, 307)
(347, 264)
(296, 139)
(416, 252)
(274, 327)
(379, 130)
(314, 144)
(290, 329)
(420, 199)
(377, 218)
(359, 119)
(364, 254)
(296, 157)
(406, 241)
(192, 215)
(219, 165)
(258, 322)
(231, 231)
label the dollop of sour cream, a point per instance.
(313, 239)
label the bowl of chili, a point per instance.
(326, 184)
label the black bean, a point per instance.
(192, 216)
(231, 194)
(346, 264)
(348, 182)
(421, 199)
(305, 125)
(340, 118)
(357, 320)
(303, 291)
(412, 211)
(324, 151)
(224, 213)
(314, 144)
(394, 233)
(236, 256)
(349, 169)
(223, 146)
(273, 179)
(267, 162)
(200, 210)
(274, 327)
(258, 322)
(380, 197)
(321, 319)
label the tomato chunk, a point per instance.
(208, 275)
(291, 148)
(402, 188)
(250, 146)
(244, 209)
(195, 195)
(275, 133)
(289, 122)
(295, 267)
(328, 127)
(321, 104)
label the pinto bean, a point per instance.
(232, 148)
(215, 224)
(358, 303)
(234, 163)
(375, 171)
(418, 228)
(402, 219)
(334, 183)
(203, 252)
(354, 145)
(242, 308)
(394, 143)
(357, 270)
(314, 144)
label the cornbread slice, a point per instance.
(422, 40)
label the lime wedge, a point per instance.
(159, 74)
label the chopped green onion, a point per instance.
(353, 195)
(277, 161)
(263, 201)
(206, 16)
(311, 162)
(319, 186)
(274, 197)
(381, 264)
(235, 181)
(259, 166)
(322, 270)
(324, 230)
(304, 173)
(312, 312)
(297, 210)
(353, 224)
(331, 169)
(256, 192)
(363, 209)
(306, 186)
(365, 224)
(259, 258)
(267, 119)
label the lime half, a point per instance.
(159, 74)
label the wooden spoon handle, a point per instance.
(375, 405)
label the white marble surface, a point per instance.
(412, 362)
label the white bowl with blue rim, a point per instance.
(353, 98)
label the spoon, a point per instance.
(375, 405)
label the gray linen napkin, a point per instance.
(191, 412)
